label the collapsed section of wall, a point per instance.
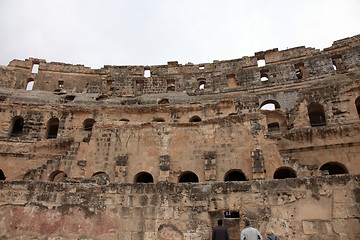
(322, 207)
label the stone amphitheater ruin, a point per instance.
(163, 152)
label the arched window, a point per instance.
(357, 104)
(334, 168)
(202, 83)
(17, 126)
(284, 172)
(195, 119)
(2, 175)
(188, 177)
(52, 128)
(275, 126)
(57, 176)
(88, 124)
(316, 115)
(100, 178)
(30, 84)
(143, 177)
(234, 175)
(270, 105)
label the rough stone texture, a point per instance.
(73, 147)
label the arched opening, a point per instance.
(100, 178)
(88, 124)
(357, 104)
(144, 177)
(17, 126)
(2, 175)
(234, 175)
(57, 176)
(284, 172)
(158, 120)
(124, 120)
(30, 84)
(264, 76)
(186, 177)
(170, 85)
(270, 105)
(316, 115)
(275, 126)
(333, 168)
(52, 128)
(202, 83)
(164, 101)
(195, 119)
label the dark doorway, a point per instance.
(188, 177)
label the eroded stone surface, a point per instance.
(73, 147)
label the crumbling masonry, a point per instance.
(162, 152)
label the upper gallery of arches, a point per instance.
(277, 67)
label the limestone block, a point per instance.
(339, 210)
(340, 226)
(309, 227)
(165, 213)
(339, 195)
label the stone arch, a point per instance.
(2, 175)
(284, 172)
(357, 104)
(270, 105)
(234, 175)
(188, 176)
(334, 168)
(30, 84)
(316, 115)
(100, 178)
(195, 119)
(88, 124)
(201, 83)
(143, 177)
(57, 175)
(52, 128)
(17, 125)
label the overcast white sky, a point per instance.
(152, 32)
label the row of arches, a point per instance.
(52, 126)
(330, 168)
(316, 114)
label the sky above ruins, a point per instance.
(153, 32)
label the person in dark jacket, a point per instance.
(220, 232)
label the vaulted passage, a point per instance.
(316, 115)
(17, 126)
(2, 175)
(144, 177)
(235, 175)
(188, 177)
(333, 168)
(284, 172)
(52, 128)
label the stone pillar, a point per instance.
(120, 168)
(164, 172)
(210, 166)
(258, 164)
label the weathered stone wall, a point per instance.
(203, 123)
(309, 208)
